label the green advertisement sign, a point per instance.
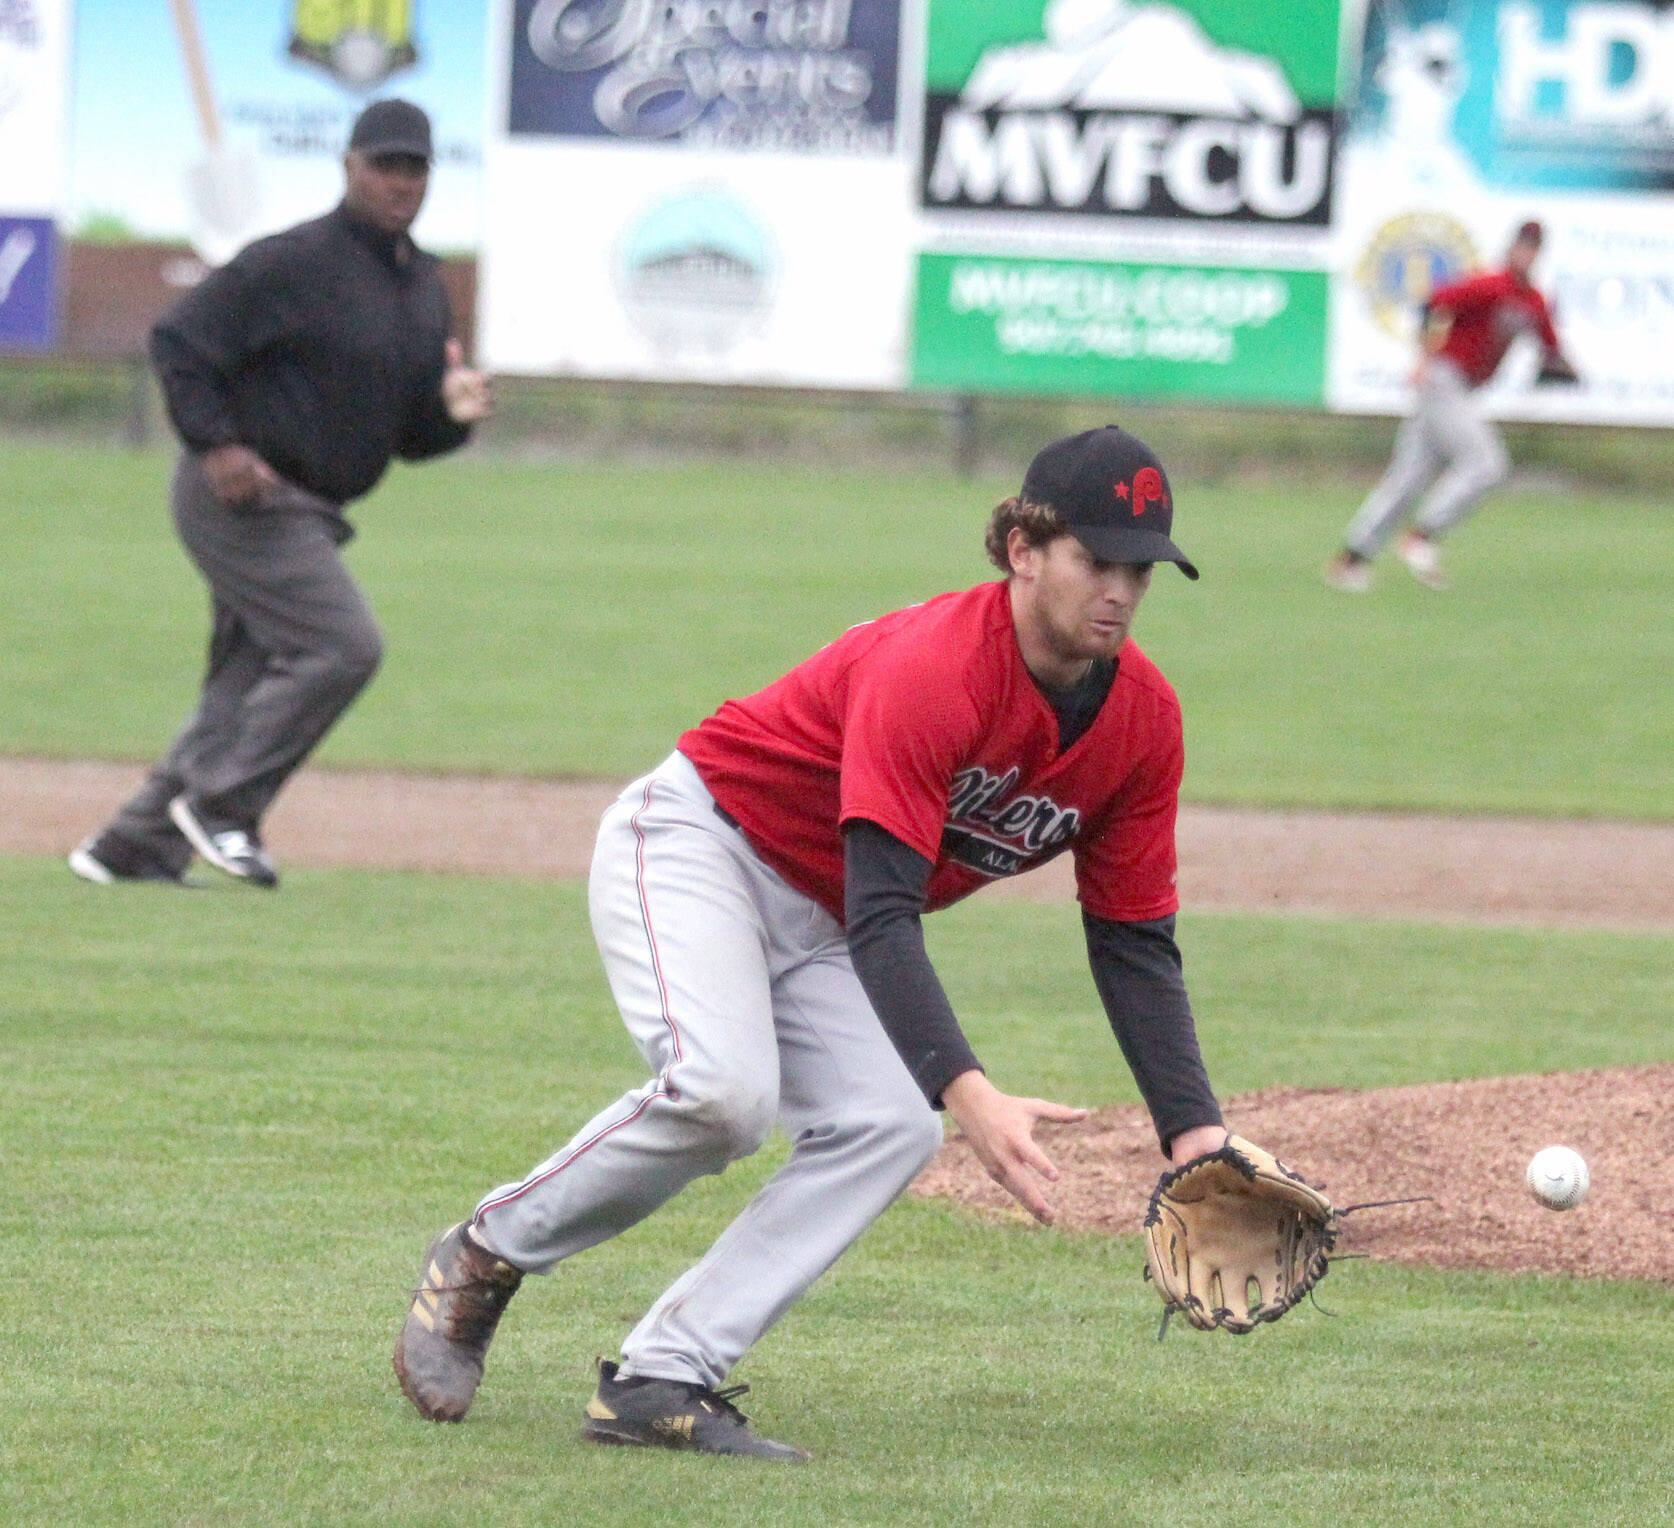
(1199, 113)
(1016, 324)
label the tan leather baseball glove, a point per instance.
(1235, 1238)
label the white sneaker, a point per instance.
(1353, 575)
(226, 846)
(1420, 555)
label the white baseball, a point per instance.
(1558, 1177)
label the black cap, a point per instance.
(1110, 493)
(392, 127)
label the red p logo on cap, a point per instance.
(1147, 489)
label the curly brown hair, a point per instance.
(1038, 522)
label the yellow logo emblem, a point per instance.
(1405, 261)
(359, 43)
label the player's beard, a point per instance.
(1080, 639)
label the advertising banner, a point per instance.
(1058, 326)
(1150, 186)
(211, 122)
(813, 76)
(34, 54)
(704, 193)
(1471, 116)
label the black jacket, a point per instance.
(320, 348)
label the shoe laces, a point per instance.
(723, 1399)
(479, 1307)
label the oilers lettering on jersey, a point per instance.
(998, 834)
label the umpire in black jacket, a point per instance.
(293, 374)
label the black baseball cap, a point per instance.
(392, 126)
(1110, 493)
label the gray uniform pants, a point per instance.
(291, 645)
(739, 993)
(1446, 442)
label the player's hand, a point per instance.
(1001, 1129)
(467, 393)
(236, 475)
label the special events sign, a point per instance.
(1470, 118)
(813, 76)
(34, 52)
(705, 192)
(1127, 198)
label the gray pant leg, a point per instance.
(861, 1131)
(235, 664)
(738, 991)
(294, 644)
(682, 942)
(1477, 462)
(1412, 468)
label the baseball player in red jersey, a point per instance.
(1445, 445)
(756, 901)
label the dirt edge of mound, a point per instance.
(1464, 1143)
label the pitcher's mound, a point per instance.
(1465, 1143)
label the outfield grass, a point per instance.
(559, 619)
(228, 1122)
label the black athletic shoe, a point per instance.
(109, 857)
(463, 1290)
(671, 1413)
(228, 846)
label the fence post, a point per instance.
(966, 443)
(137, 430)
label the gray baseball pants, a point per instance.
(1444, 442)
(739, 993)
(291, 645)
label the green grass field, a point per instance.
(570, 620)
(228, 1122)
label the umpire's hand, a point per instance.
(1000, 1129)
(467, 393)
(236, 475)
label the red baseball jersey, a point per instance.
(1488, 312)
(927, 723)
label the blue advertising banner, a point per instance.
(244, 110)
(796, 76)
(28, 284)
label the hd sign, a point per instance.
(1469, 118)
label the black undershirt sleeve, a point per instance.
(1137, 969)
(884, 885)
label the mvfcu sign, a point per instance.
(1129, 109)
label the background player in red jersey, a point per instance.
(1445, 445)
(756, 901)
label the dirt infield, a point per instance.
(1465, 1143)
(1479, 869)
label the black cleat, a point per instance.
(439, 1356)
(671, 1413)
(230, 848)
(109, 857)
